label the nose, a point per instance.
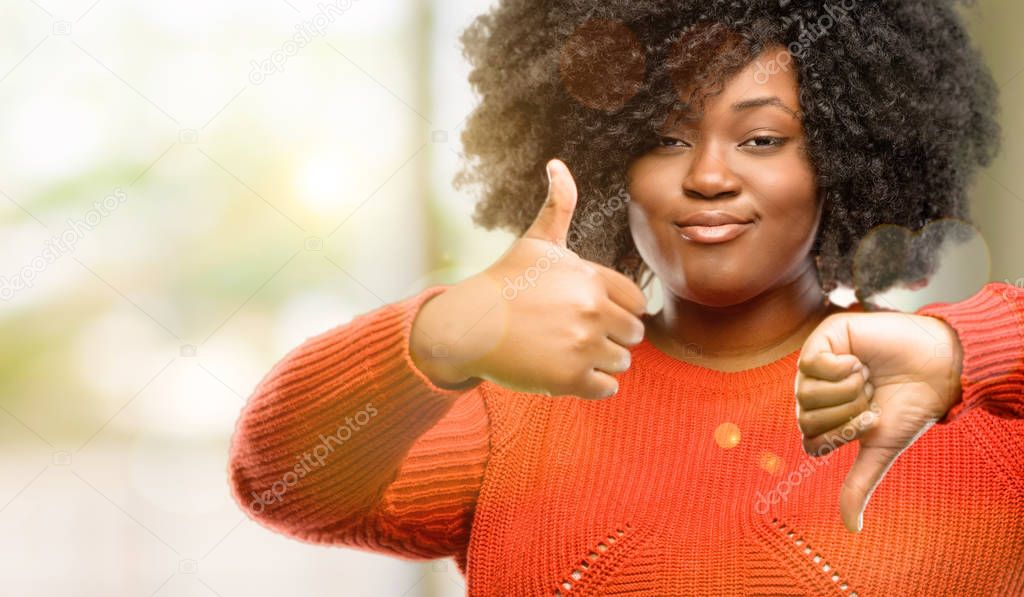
(709, 176)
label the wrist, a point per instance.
(432, 348)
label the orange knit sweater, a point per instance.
(689, 481)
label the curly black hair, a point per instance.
(897, 105)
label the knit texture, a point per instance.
(689, 481)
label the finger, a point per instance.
(623, 327)
(870, 466)
(598, 385)
(812, 393)
(555, 216)
(622, 290)
(816, 422)
(831, 440)
(613, 358)
(826, 353)
(829, 366)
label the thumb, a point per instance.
(552, 223)
(868, 468)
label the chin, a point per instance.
(714, 295)
(718, 283)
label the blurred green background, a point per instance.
(185, 212)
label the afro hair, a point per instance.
(897, 106)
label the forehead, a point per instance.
(770, 74)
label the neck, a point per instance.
(749, 334)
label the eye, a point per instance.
(764, 142)
(668, 142)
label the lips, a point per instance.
(712, 227)
(713, 218)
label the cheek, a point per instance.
(650, 188)
(640, 223)
(653, 244)
(787, 195)
(788, 201)
(646, 205)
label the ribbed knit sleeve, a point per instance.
(346, 442)
(990, 325)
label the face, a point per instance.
(727, 207)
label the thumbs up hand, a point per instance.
(881, 379)
(541, 319)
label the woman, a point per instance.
(744, 153)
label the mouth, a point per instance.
(712, 227)
(710, 235)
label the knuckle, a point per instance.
(623, 360)
(804, 392)
(588, 307)
(605, 390)
(590, 272)
(639, 333)
(806, 420)
(575, 379)
(581, 341)
(851, 385)
(806, 364)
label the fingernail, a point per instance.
(869, 390)
(866, 373)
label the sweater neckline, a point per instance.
(646, 353)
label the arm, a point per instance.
(990, 326)
(345, 441)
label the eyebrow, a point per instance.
(758, 102)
